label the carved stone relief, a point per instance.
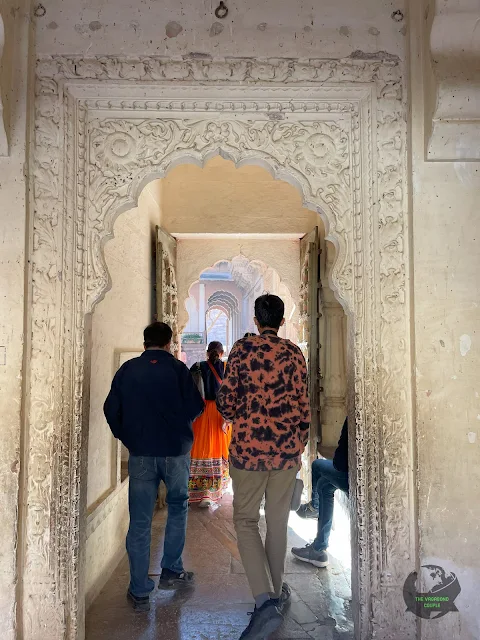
(335, 129)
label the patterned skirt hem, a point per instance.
(208, 479)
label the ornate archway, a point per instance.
(227, 303)
(106, 126)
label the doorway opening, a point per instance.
(220, 305)
(209, 269)
(333, 128)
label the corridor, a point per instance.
(216, 608)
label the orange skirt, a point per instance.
(209, 458)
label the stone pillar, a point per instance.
(245, 323)
(230, 326)
(237, 326)
(201, 309)
(332, 354)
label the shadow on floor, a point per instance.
(216, 608)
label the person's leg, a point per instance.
(175, 473)
(316, 471)
(142, 495)
(310, 509)
(278, 499)
(329, 481)
(326, 492)
(248, 490)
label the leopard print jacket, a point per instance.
(265, 395)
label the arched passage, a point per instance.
(247, 280)
(226, 303)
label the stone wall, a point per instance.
(327, 29)
(444, 226)
(446, 293)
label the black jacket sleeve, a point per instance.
(113, 406)
(194, 404)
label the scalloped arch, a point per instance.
(263, 267)
(136, 179)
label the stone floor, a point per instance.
(216, 608)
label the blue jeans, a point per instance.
(325, 481)
(145, 474)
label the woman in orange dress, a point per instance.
(211, 436)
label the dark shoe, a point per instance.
(307, 511)
(264, 622)
(311, 555)
(139, 604)
(284, 598)
(173, 580)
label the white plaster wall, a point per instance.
(316, 28)
(194, 256)
(13, 88)
(117, 325)
(106, 531)
(446, 237)
(222, 199)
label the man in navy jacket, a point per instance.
(150, 408)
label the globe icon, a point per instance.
(431, 593)
(434, 579)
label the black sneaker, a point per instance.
(264, 621)
(172, 579)
(284, 598)
(139, 604)
(311, 555)
(307, 511)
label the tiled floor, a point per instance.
(216, 608)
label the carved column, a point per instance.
(201, 310)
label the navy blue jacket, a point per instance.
(152, 404)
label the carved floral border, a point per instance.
(82, 177)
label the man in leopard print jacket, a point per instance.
(264, 394)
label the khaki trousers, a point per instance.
(264, 565)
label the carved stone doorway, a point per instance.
(104, 127)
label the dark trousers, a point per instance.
(145, 474)
(325, 481)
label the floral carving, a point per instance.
(317, 124)
(317, 150)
